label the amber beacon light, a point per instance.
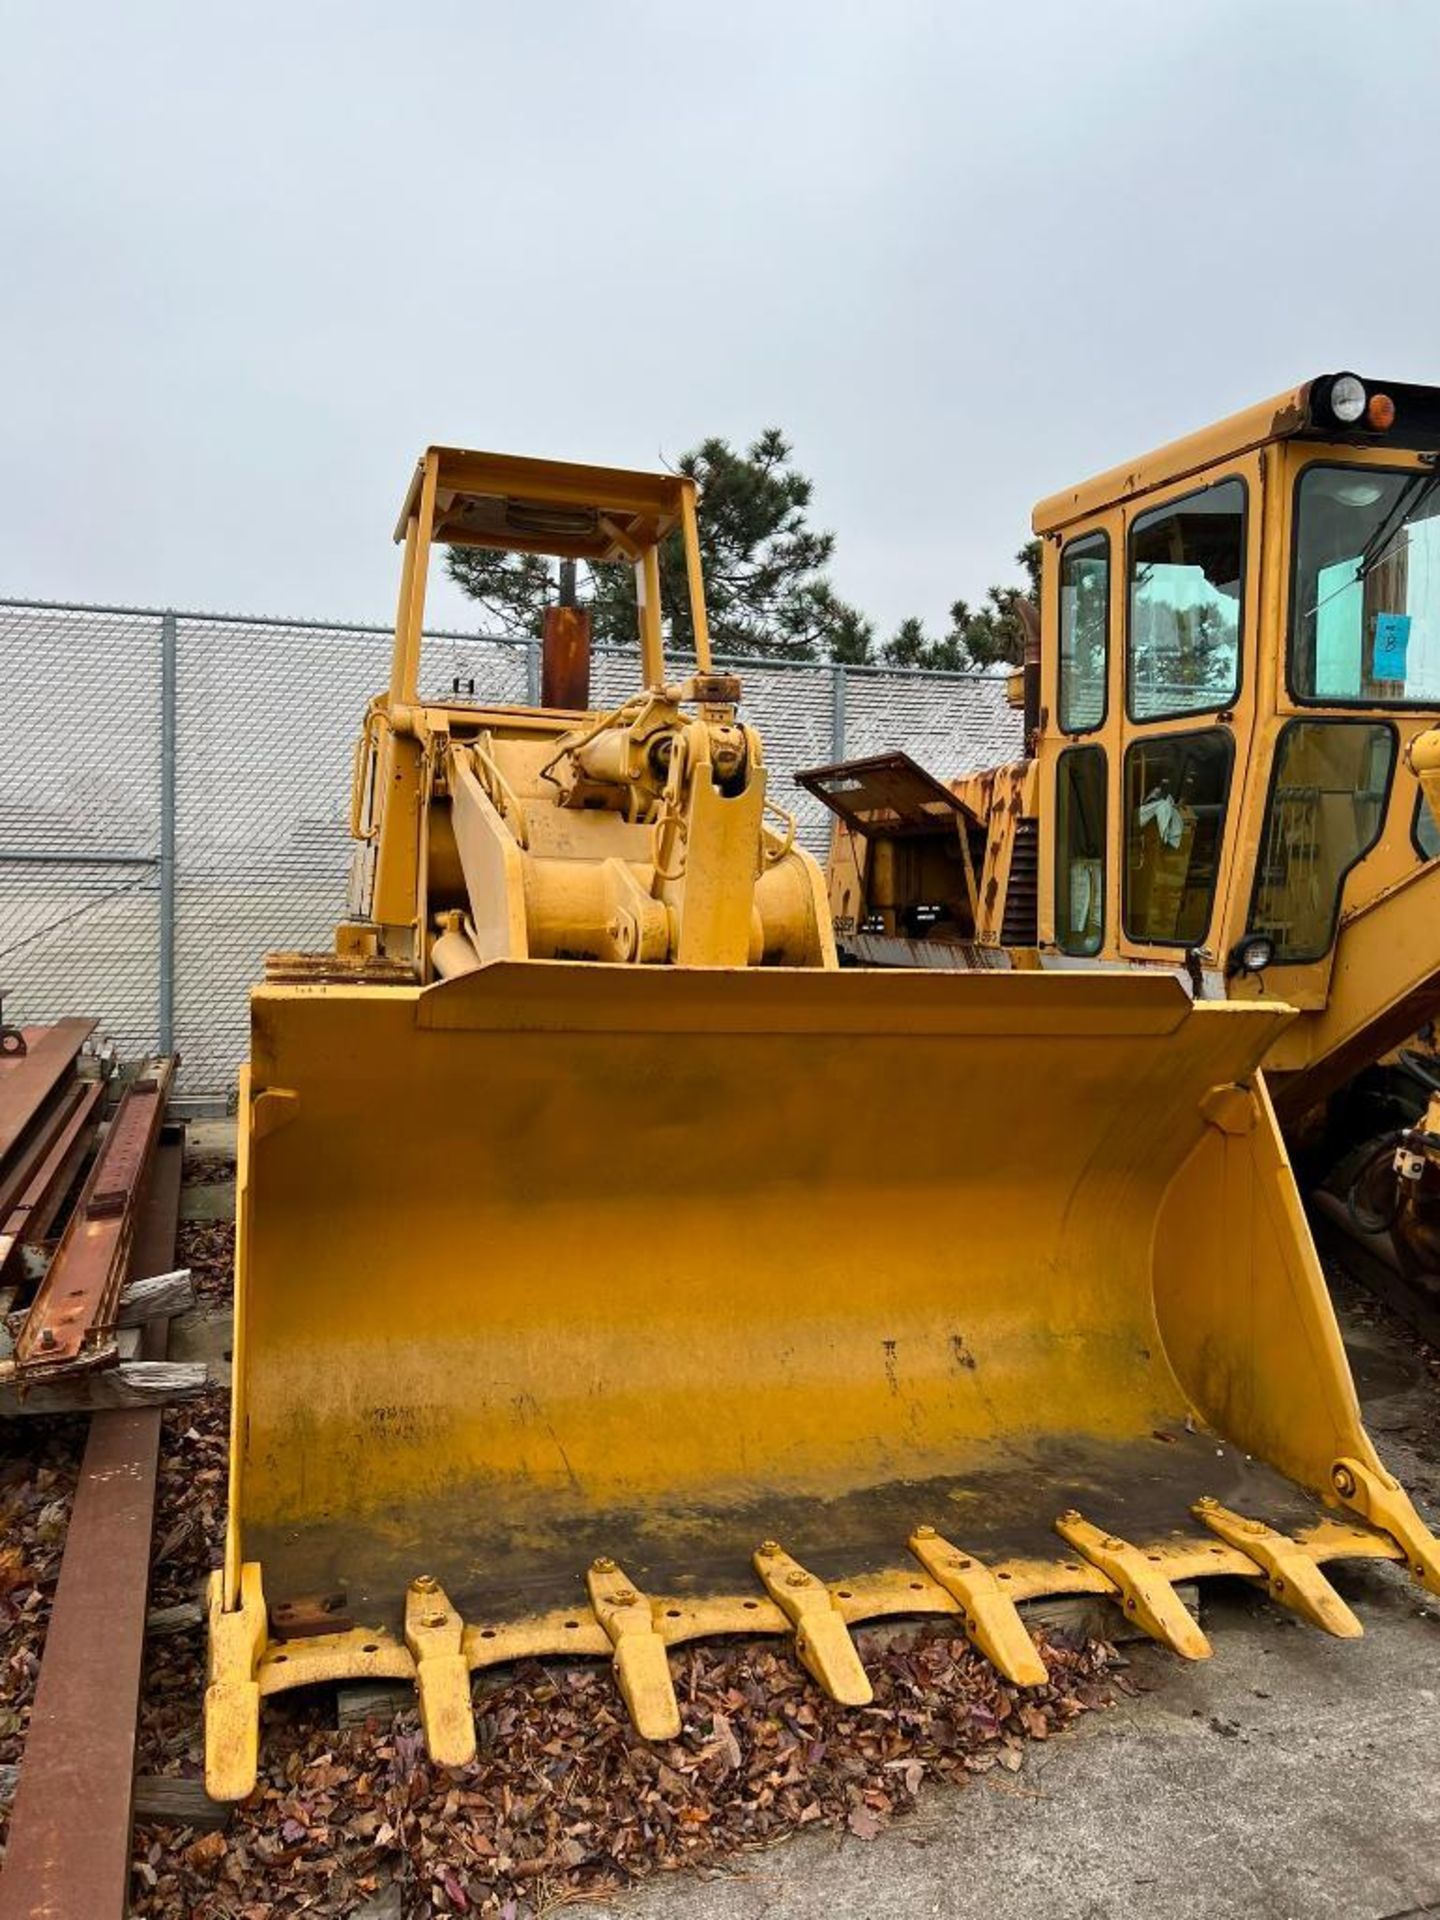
(1380, 412)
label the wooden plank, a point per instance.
(208, 1200)
(183, 1617)
(160, 1297)
(68, 1856)
(371, 1703)
(162, 1797)
(133, 1383)
(165, 1798)
(1091, 1616)
(381, 1906)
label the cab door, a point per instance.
(1188, 590)
(1077, 914)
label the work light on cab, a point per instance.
(1347, 398)
(1253, 954)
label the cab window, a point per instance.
(1424, 830)
(1326, 808)
(1176, 789)
(1186, 566)
(1365, 600)
(1084, 632)
(1080, 850)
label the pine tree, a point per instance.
(985, 636)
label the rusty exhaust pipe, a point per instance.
(565, 650)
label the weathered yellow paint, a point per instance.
(1422, 754)
(435, 1634)
(988, 1609)
(1178, 461)
(631, 1232)
(1381, 976)
(371, 1653)
(237, 1636)
(485, 1390)
(484, 1074)
(641, 1669)
(1147, 1597)
(1380, 1498)
(1291, 1577)
(822, 1639)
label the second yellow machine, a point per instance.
(614, 1269)
(1232, 763)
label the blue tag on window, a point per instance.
(1392, 643)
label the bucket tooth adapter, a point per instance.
(615, 1270)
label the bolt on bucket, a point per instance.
(588, 1308)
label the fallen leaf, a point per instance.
(206, 1853)
(864, 1823)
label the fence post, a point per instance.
(837, 711)
(532, 673)
(167, 833)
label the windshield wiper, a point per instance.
(1412, 496)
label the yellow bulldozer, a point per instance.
(1231, 772)
(616, 1269)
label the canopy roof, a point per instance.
(513, 504)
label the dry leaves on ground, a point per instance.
(41, 1465)
(209, 1169)
(207, 1248)
(566, 1802)
(189, 1541)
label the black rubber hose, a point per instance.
(1366, 1221)
(1420, 1069)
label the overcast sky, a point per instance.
(253, 257)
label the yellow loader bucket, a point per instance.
(590, 1309)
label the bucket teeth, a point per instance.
(990, 1617)
(439, 1651)
(232, 1693)
(434, 1633)
(1291, 1576)
(1380, 1499)
(822, 1640)
(1142, 1589)
(641, 1668)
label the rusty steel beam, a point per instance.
(29, 1218)
(74, 1307)
(30, 1080)
(565, 658)
(68, 1856)
(20, 1169)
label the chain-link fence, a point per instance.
(175, 788)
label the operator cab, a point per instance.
(1244, 627)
